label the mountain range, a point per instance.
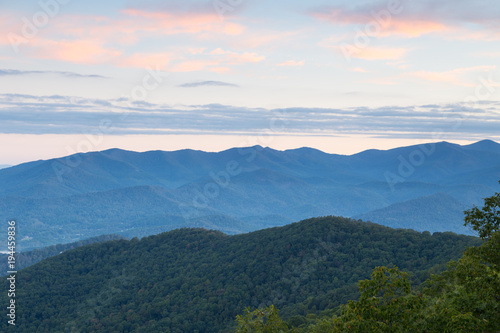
(422, 187)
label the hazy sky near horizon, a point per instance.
(341, 76)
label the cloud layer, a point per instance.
(72, 75)
(414, 18)
(334, 55)
(207, 83)
(25, 114)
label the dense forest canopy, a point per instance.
(191, 280)
(464, 298)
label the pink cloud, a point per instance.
(292, 63)
(77, 51)
(398, 64)
(379, 53)
(218, 51)
(488, 54)
(381, 81)
(234, 58)
(371, 53)
(383, 26)
(233, 29)
(254, 39)
(466, 77)
(415, 28)
(175, 23)
(146, 60)
(192, 65)
(217, 60)
(220, 70)
(7, 27)
(247, 57)
(359, 70)
(487, 36)
(133, 25)
(454, 19)
(94, 39)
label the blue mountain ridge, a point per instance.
(116, 191)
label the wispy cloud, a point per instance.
(85, 39)
(14, 72)
(292, 63)
(147, 60)
(83, 51)
(380, 53)
(26, 114)
(169, 22)
(386, 26)
(488, 54)
(370, 53)
(415, 18)
(359, 70)
(207, 83)
(466, 77)
(217, 60)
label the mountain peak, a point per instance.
(485, 145)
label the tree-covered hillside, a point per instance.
(464, 298)
(195, 280)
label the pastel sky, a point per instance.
(341, 76)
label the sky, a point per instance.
(340, 76)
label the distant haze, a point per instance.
(54, 146)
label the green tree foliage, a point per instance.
(261, 321)
(485, 221)
(198, 280)
(464, 298)
(386, 304)
(471, 286)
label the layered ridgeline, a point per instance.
(422, 187)
(194, 280)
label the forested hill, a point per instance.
(195, 280)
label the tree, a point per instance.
(470, 288)
(464, 298)
(485, 221)
(261, 321)
(386, 304)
